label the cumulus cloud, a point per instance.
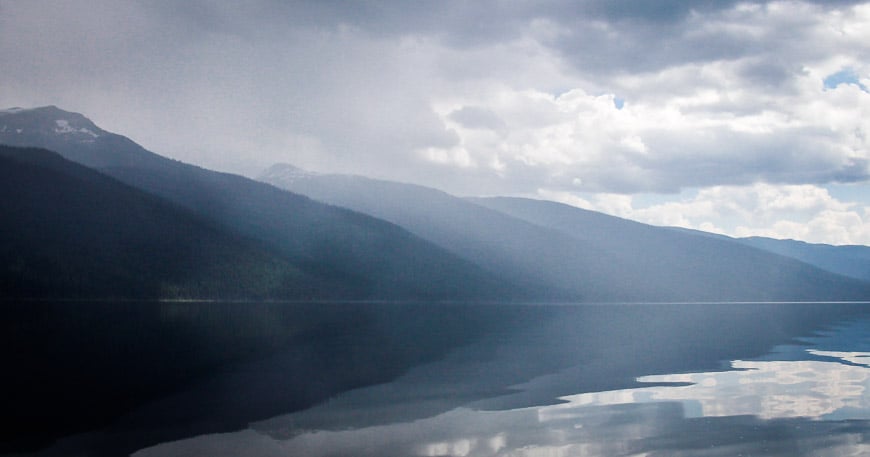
(802, 212)
(815, 137)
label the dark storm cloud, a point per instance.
(657, 11)
(596, 36)
(464, 18)
(640, 48)
(629, 37)
(458, 23)
(664, 11)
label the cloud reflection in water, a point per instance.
(768, 389)
(771, 408)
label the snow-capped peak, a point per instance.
(48, 121)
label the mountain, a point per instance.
(553, 265)
(80, 139)
(346, 254)
(569, 252)
(71, 232)
(851, 261)
(848, 260)
(397, 241)
(671, 256)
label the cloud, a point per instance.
(471, 117)
(613, 97)
(700, 139)
(802, 212)
(711, 93)
(761, 116)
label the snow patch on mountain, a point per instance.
(49, 121)
(62, 126)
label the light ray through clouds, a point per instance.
(745, 118)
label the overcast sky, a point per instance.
(736, 117)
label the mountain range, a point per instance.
(331, 252)
(184, 230)
(577, 252)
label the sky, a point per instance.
(741, 118)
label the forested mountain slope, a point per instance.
(573, 253)
(70, 232)
(349, 255)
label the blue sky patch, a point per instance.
(844, 76)
(618, 102)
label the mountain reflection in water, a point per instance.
(424, 379)
(652, 380)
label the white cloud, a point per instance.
(804, 212)
(761, 115)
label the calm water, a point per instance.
(224, 379)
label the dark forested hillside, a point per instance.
(70, 232)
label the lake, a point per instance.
(435, 379)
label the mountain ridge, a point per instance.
(370, 258)
(627, 267)
(386, 240)
(847, 260)
(715, 249)
(851, 260)
(80, 234)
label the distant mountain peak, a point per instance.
(47, 120)
(285, 173)
(43, 112)
(73, 135)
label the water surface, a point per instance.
(488, 380)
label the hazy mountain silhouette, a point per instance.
(573, 252)
(697, 259)
(554, 265)
(852, 260)
(347, 254)
(848, 260)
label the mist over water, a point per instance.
(443, 379)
